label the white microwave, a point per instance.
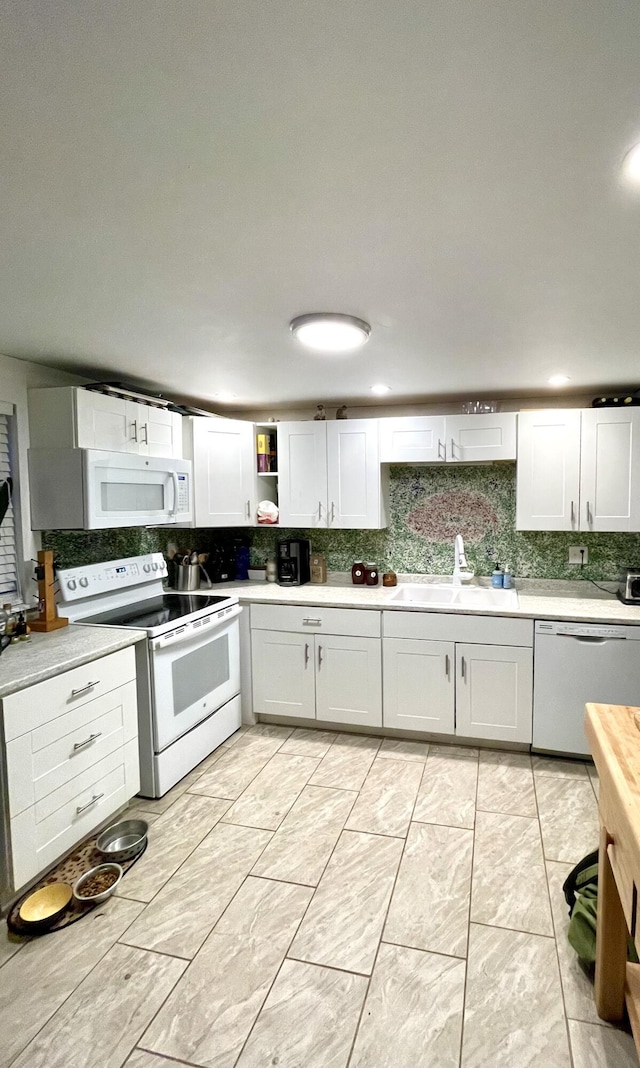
(88, 489)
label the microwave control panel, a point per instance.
(182, 502)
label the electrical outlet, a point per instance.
(578, 554)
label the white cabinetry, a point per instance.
(579, 470)
(317, 663)
(448, 439)
(468, 675)
(224, 472)
(68, 417)
(329, 475)
(71, 759)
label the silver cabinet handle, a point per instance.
(462, 668)
(319, 657)
(93, 801)
(573, 513)
(589, 514)
(135, 429)
(309, 622)
(248, 509)
(87, 741)
(146, 433)
(453, 449)
(333, 512)
(306, 653)
(442, 450)
(446, 665)
(319, 510)
(83, 689)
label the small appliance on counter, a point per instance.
(629, 586)
(293, 557)
(318, 568)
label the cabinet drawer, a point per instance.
(38, 764)
(480, 630)
(43, 703)
(350, 621)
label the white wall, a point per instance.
(16, 377)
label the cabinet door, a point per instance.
(494, 692)
(283, 667)
(481, 437)
(610, 469)
(418, 688)
(302, 474)
(348, 679)
(160, 432)
(412, 439)
(106, 422)
(223, 473)
(548, 476)
(353, 475)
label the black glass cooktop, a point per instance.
(155, 611)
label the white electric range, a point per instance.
(188, 669)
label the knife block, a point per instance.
(48, 618)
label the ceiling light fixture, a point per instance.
(330, 331)
(631, 166)
(380, 389)
(559, 380)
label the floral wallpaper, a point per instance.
(428, 507)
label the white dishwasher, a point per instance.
(575, 663)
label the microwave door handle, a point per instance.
(174, 510)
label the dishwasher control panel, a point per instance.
(587, 630)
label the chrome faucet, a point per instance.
(461, 570)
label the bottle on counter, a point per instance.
(507, 578)
(271, 574)
(8, 620)
(357, 574)
(497, 577)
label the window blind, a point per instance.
(9, 589)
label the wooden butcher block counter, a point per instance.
(614, 736)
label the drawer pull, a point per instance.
(83, 689)
(83, 808)
(309, 622)
(87, 741)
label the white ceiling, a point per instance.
(180, 179)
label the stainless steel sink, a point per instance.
(441, 595)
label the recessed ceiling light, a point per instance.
(559, 380)
(380, 389)
(631, 166)
(330, 331)
(226, 398)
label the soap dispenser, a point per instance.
(497, 577)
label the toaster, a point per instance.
(629, 587)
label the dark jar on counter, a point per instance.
(371, 574)
(357, 574)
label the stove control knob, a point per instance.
(71, 584)
(84, 581)
(147, 567)
(154, 566)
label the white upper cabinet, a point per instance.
(610, 469)
(448, 439)
(329, 474)
(413, 440)
(105, 422)
(579, 470)
(302, 474)
(224, 472)
(160, 432)
(548, 490)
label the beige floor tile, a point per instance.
(344, 921)
(236, 736)
(347, 763)
(301, 847)
(141, 1059)
(413, 1011)
(593, 1046)
(266, 801)
(138, 812)
(386, 800)
(275, 732)
(309, 742)
(568, 817)
(576, 985)
(36, 981)
(509, 886)
(236, 768)
(447, 793)
(308, 1020)
(161, 804)
(595, 781)
(103, 1019)
(505, 783)
(183, 913)
(430, 904)
(9, 944)
(514, 1015)
(212, 1009)
(556, 766)
(399, 749)
(172, 837)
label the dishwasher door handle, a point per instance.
(587, 639)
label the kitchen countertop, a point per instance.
(46, 655)
(580, 602)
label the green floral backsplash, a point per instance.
(428, 507)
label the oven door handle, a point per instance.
(173, 638)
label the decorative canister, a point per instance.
(371, 574)
(389, 578)
(357, 574)
(318, 568)
(272, 570)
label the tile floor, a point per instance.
(320, 900)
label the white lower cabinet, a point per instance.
(348, 680)
(494, 692)
(419, 685)
(283, 674)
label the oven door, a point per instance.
(195, 669)
(126, 490)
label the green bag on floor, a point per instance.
(581, 894)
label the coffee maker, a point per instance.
(293, 561)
